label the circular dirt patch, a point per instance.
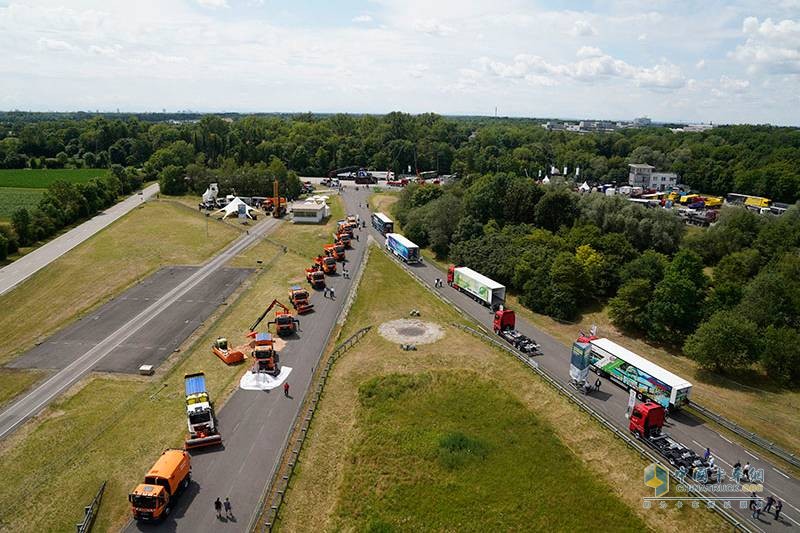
(411, 331)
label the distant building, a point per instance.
(641, 122)
(642, 175)
(309, 212)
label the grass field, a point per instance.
(43, 178)
(155, 234)
(13, 382)
(381, 458)
(13, 198)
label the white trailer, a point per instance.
(483, 289)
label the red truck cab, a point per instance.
(647, 419)
(503, 319)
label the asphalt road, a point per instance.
(612, 400)
(151, 345)
(256, 424)
(31, 403)
(26, 266)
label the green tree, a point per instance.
(628, 309)
(727, 341)
(675, 310)
(21, 222)
(780, 355)
(171, 180)
(557, 208)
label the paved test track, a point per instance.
(24, 267)
(612, 400)
(12, 417)
(149, 346)
(255, 424)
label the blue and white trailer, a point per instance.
(402, 248)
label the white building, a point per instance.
(642, 175)
(310, 212)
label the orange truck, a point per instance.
(328, 264)
(155, 498)
(299, 298)
(316, 277)
(343, 238)
(337, 251)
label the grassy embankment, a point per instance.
(766, 409)
(456, 436)
(157, 234)
(120, 442)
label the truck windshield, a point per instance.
(143, 502)
(200, 418)
(339, 249)
(284, 319)
(330, 261)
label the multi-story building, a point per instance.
(642, 175)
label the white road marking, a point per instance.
(781, 473)
(726, 440)
(751, 455)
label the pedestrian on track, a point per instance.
(707, 454)
(770, 502)
(333, 294)
(286, 389)
(228, 509)
(325, 292)
(757, 510)
(778, 508)
(218, 508)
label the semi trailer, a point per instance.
(202, 423)
(482, 289)
(382, 223)
(402, 248)
(155, 497)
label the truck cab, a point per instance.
(153, 499)
(316, 277)
(344, 239)
(503, 318)
(327, 263)
(647, 419)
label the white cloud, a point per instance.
(642, 37)
(733, 85)
(418, 70)
(433, 27)
(582, 28)
(55, 45)
(770, 47)
(213, 4)
(362, 19)
(700, 65)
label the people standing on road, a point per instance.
(286, 389)
(707, 454)
(746, 471)
(711, 461)
(218, 508)
(752, 504)
(333, 294)
(778, 508)
(228, 508)
(757, 510)
(769, 503)
(325, 292)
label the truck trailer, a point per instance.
(632, 371)
(202, 423)
(485, 290)
(402, 248)
(382, 223)
(155, 498)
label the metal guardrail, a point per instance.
(623, 435)
(758, 440)
(280, 481)
(90, 511)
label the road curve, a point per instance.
(26, 266)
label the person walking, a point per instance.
(746, 471)
(707, 454)
(325, 292)
(228, 509)
(286, 389)
(218, 508)
(333, 294)
(752, 504)
(778, 508)
(769, 503)
(757, 510)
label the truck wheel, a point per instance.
(639, 396)
(167, 510)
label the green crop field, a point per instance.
(43, 178)
(12, 198)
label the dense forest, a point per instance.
(564, 252)
(761, 160)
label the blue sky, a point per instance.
(726, 62)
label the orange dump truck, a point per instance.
(155, 498)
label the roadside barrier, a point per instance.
(644, 452)
(281, 477)
(90, 511)
(758, 440)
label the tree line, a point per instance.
(760, 160)
(729, 296)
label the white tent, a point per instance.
(546, 180)
(232, 209)
(584, 187)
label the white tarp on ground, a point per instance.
(232, 209)
(263, 381)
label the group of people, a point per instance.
(771, 502)
(219, 505)
(329, 292)
(437, 283)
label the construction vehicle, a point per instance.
(337, 251)
(264, 354)
(199, 413)
(327, 264)
(229, 355)
(504, 324)
(479, 287)
(285, 322)
(344, 238)
(646, 423)
(155, 497)
(278, 203)
(316, 277)
(299, 298)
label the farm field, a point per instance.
(12, 198)
(42, 178)
(456, 436)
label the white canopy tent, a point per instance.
(232, 209)
(584, 187)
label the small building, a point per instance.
(310, 212)
(642, 175)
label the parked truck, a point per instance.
(316, 277)
(482, 289)
(155, 497)
(299, 298)
(402, 248)
(337, 251)
(202, 423)
(504, 325)
(326, 263)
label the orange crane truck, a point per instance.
(316, 277)
(299, 298)
(155, 498)
(285, 322)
